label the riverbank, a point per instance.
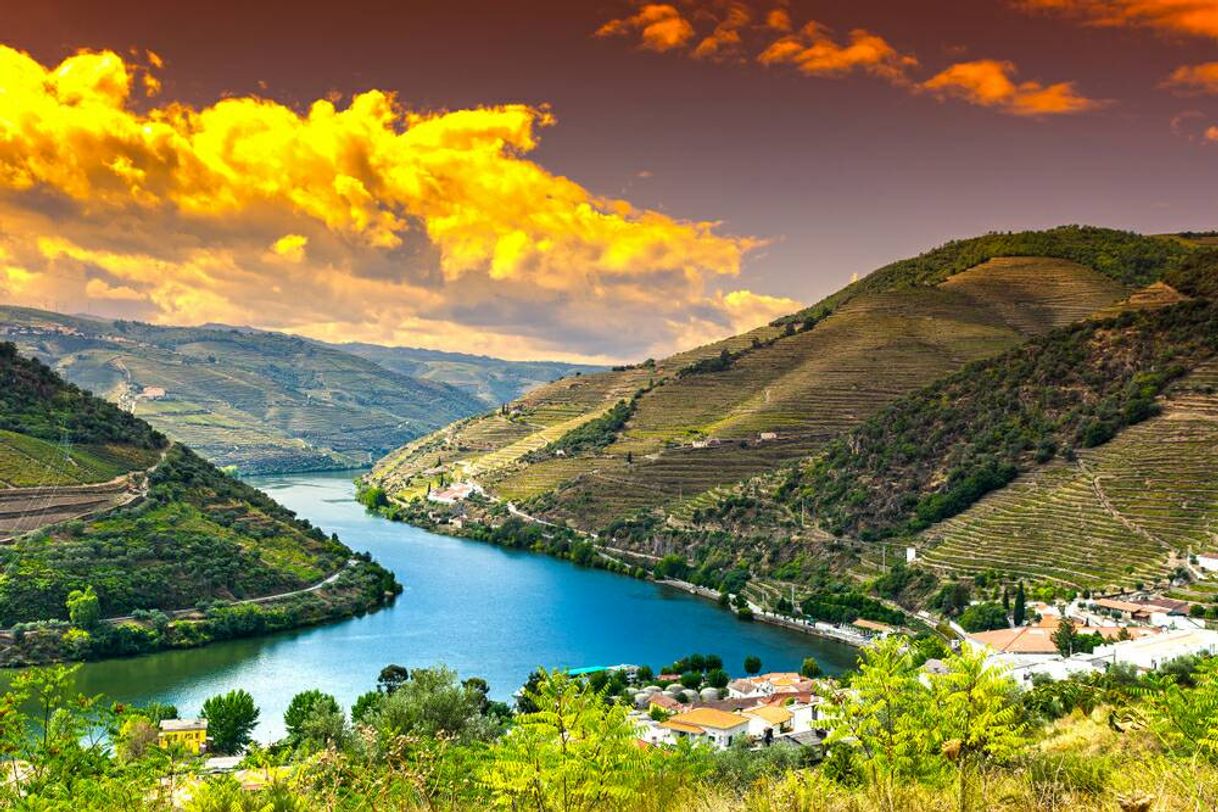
(361, 586)
(827, 631)
(483, 610)
(573, 545)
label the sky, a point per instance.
(601, 181)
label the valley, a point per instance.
(266, 402)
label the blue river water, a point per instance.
(479, 609)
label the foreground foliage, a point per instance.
(964, 739)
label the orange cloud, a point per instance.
(989, 83)
(1211, 134)
(725, 41)
(814, 52)
(185, 214)
(778, 19)
(660, 26)
(1194, 17)
(1194, 78)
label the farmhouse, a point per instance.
(190, 734)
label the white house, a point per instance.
(454, 493)
(1208, 560)
(715, 727)
(1149, 653)
(767, 721)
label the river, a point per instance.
(479, 609)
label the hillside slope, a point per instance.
(260, 401)
(703, 420)
(185, 535)
(492, 381)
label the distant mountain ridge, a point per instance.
(492, 380)
(266, 401)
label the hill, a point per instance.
(703, 420)
(264, 402)
(493, 381)
(170, 543)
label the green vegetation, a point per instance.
(190, 554)
(35, 402)
(932, 454)
(593, 435)
(231, 719)
(898, 740)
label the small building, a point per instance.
(152, 393)
(715, 727)
(768, 435)
(1208, 560)
(812, 741)
(743, 689)
(454, 493)
(1125, 609)
(873, 628)
(1149, 653)
(768, 721)
(190, 734)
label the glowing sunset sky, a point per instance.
(601, 180)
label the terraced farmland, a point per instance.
(780, 392)
(1117, 516)
(27, 461)
(807, 387)
(490, 448)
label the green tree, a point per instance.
(575, 753)
(717, 678)
(84, 609)
(231, 719)
(752, 664)
(432, 703)
(885, 715)
(1021, 606)
(810, 668)
(391, 677)
(1065, 638)
(314, 717)
(1185, 720)
(982, 617)
(976, 713)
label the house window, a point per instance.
(729, 741)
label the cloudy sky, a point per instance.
(601, 180)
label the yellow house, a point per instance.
(190, 734)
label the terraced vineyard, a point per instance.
(1124, 512)
(728, 411)
(807, 387)
(28, 461)
(491, 447)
